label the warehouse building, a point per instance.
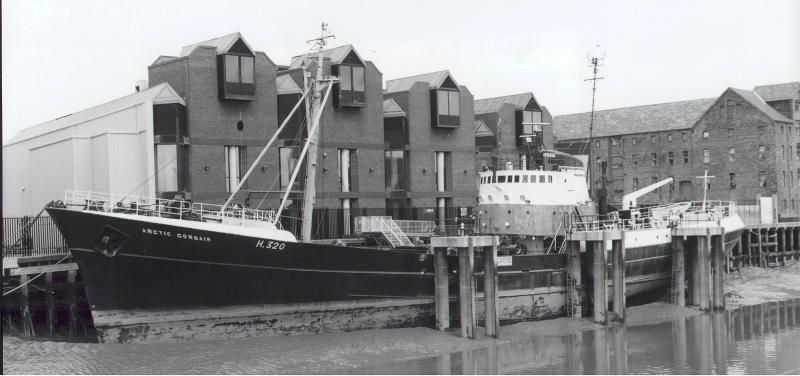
(106, 148)
(738, 137)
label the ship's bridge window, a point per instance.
(541, 178)
(533, 178)
(516, 178)
(501, 179)
(550, 178)
(524, 178)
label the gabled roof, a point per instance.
(159, 94)
(487, 105)
(777, 92)
(639, 119)
(759, 103)
(481, 129)
(434, 79)
(163, 59)
(336, 55)
(287, 85)
(392, 109)
(222, 44)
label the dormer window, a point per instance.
(447, 108)
(351, 85)
(237, 76)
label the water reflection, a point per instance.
(750, 340)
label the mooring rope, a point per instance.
(37, 276)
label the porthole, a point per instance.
(522, 197)
(490, 197)
(505, 197)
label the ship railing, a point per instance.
(164, 207)
(690, 213)
(372, 224)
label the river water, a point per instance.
(760, 339)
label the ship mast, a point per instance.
(313, 135)
(594, 62)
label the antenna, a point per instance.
(593, 62)
(319, 43)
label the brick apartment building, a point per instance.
(499, 125)
(738, 137)
(231, 111)
(430, 144)
(351, 133)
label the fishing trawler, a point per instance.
(145, 260)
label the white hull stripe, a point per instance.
(259, 266)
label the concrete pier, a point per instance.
(442, 298)
(599, 298)
(466, 297)
(618, 279)
(678, 287)
(574, 280)
(490, 289)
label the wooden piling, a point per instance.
(749, 248)
(25, 311)
(50, 300)
(441, 280)
(466, 292)
(718, 292)
(739, 260)
(574, 265)
(492, 322)
(599, 300)
(618, 276)
(678, 272)
(72, 303)
(782, 252)
(693, 255)
(760, 261)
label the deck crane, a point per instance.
(629, 200)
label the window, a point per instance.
(635, 140)
(635, 159)
(706, 156)
(533, 178)
(685, 156)
(635, 184)
(530, 122)
(733, 179)
(239, 69)
(669, 137)
(653, 159)
(351, 85)
(784, 178)
(614, 141)
(761, 150)
(444, 171)
(731, 154)
(237, 76)
(671, 157)
(541, 178)
(797, 150)
(783, 152)
(685, 136)
(447, 101)
(652, 139)
(549, 178)
(167, 168)
(730, 132)
(395, 170)
(288, 160)
(597, 143)
(762, 179)
(348, 169)
(234, 160)
(501, 179)
(705, 135)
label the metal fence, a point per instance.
(42, 237)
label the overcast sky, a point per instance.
(63, 56)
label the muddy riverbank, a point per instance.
(753, 285)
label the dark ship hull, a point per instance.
(163, 266)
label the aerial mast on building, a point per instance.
(594, 63)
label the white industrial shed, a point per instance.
(106, 148)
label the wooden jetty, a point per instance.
(53, 280)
